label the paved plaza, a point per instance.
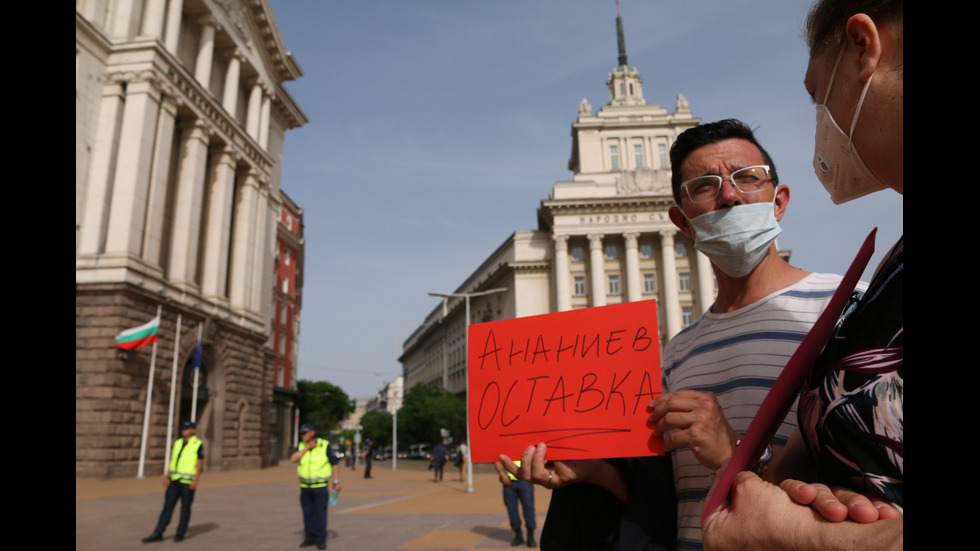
(260, 510)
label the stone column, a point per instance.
(670, 295)
(597, 271)
(130, 190)
(242, 238)
(563, 292)
(102, 169)
(706, 283)
(634, 285)
(186, 225)
(264, 121)
(122, 20)
(154, 13)
(262, 253)
(254, 110)
(230, 98)
(175, 12)
(159, 182)
(217, 232)
(205, 52)
(267, 266)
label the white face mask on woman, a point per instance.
(835, 159)
(736, 239)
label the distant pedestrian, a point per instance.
(518, 490)
(439, 459)
(462, 456)
(183, 474)
(316, 470)
(368, 457)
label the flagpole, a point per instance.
(149, 402)
(197, 371)
(173, 396)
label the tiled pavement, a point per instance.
(260, 510)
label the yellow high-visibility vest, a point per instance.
(512, 477)
(183, 459)
(314, 467)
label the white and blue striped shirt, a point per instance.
(737, 356)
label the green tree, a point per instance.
(426, 410)
(377, 427)
(322, 404)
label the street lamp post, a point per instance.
(466, 354)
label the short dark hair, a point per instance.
(826, 22)
(707, 134)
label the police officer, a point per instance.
(516, 490)
(316, 470)
(181, 480)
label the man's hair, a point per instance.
(707, 134)
(826, 22)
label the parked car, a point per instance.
(383, 454)
(419, 451)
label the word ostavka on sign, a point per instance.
(578, 381)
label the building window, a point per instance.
(638, 155)
(684, 281)
(614, 285)
(646, 250)
(614, 157)
(663, 155)
(287, 256)
(285, 285)
(649, 283)
(610, 252)
(577, 254)
(579, 286)
(687, 316)
(681, 250)
(622, 89)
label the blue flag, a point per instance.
(197, 356)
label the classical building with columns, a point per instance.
(180, 116)
(603, 237)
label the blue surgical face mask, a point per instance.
(736, 239)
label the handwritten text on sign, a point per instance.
(579, 381)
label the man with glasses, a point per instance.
(717, 371)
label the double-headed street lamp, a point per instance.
(466, 354)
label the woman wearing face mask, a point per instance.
(851, 411)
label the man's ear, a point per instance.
(862, 35)
(780, 201)
(681, 221)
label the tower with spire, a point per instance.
(613, 241)
(625, 83)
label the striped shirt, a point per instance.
(737, 356)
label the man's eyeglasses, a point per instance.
(751, 179)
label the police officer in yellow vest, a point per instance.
(515, 491)
(181, 480)
(316, 471)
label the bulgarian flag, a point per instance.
(137, 337)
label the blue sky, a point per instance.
(437, 127)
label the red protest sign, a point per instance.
(579, 381)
